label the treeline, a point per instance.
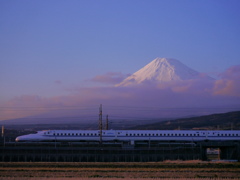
(223, 121)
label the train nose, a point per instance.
(22, 138)
(19, 138)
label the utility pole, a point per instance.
(100, 123)
(2, 131)
(3, 136)
(107, 122)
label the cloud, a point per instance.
(229, 84)
(58, 82)
(110, 78)
(231, 73)
(146, 100)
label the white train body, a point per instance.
(131, 135)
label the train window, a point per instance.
(141, 134)
(160, 134)
(164, 134)
(236, 134)
(126, 134)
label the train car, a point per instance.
(130, 135)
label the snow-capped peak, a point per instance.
(161, 70)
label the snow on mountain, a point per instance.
(161, 70)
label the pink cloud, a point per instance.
(148, 100)
(229, 85)
(109, 78)
(231, 73)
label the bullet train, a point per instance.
(131, 135)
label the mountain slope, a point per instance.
(161, 70)
(214, 121)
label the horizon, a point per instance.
(61, 59)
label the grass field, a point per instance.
(158, 170)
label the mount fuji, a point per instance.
(162, 70)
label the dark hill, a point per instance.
(230, 120)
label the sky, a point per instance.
(65, 53)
